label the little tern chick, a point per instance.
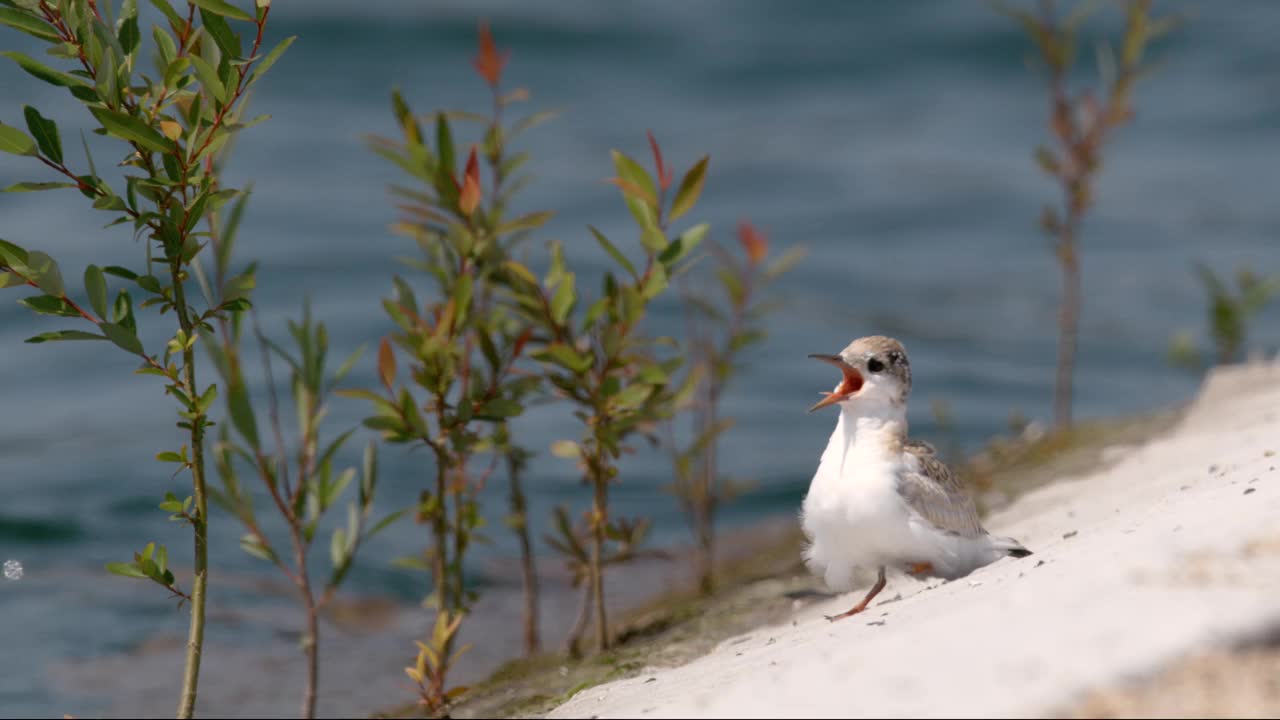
(880, 500)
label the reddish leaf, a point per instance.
(473, 165)
(664, 175)
(754, 243)
(469, 197)
(489, 62)
(386, 363)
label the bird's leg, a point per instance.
(920, 568)
(875, 590)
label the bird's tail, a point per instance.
(1010, 547)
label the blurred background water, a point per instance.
(893, 140)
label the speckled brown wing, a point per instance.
(936, 493)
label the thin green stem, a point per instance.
(310, 641)
(599, 523)
(199, 524)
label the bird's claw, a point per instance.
(843, 615)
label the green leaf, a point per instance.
(386, 423)
(120, 272)
(462, 292)
(164, 7)
(499, 408)
(13, 140)
(48, 305)
(63, 335)
(684, 244)
(520, 270)
(28, 24)
(265, 64)
(250, 544)
(613, 251)
(383, 404)
(45, 131)
(38, 186)
(338, 547)
(13, 255)
(563, 355)
(93, 170)
(690, 188)
(176, 70)
(169, 456)
(524, 222)
(122, 337)
(446, 164)
(562, 301)
(408, 124)
(646, 217)
(654, 240)
(45, 273)
(166, 50)
(556, 271)
(226, 38)
(122, 311)
(133, 130)
(209, 78)
(110, 202)
(128, 34)
(47, 74)
(385, 522)
(634, 395)
(223, 8)
(150, 283)
(242, 413)
(206, 400)
(655, 283)
(126, 569)
(593, 313)
(95, 284)
(632, 172)
(785, 262)
(347, 364)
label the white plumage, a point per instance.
(879, 500)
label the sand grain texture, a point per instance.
(1171, 551)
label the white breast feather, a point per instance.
(854, 516)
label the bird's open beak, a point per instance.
(852, 382)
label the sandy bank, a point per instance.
(1172, 549)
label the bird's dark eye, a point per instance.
(874, 365)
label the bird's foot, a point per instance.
(847, 613)
(875, 589)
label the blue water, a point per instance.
(892, 140)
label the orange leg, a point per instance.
(875, 590)
(920, 568)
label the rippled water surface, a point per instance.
(893, 140)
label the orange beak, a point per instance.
(852, 382)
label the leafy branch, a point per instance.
(170, 128)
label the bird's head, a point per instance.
(875, 373)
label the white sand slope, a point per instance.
(1173, 548)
